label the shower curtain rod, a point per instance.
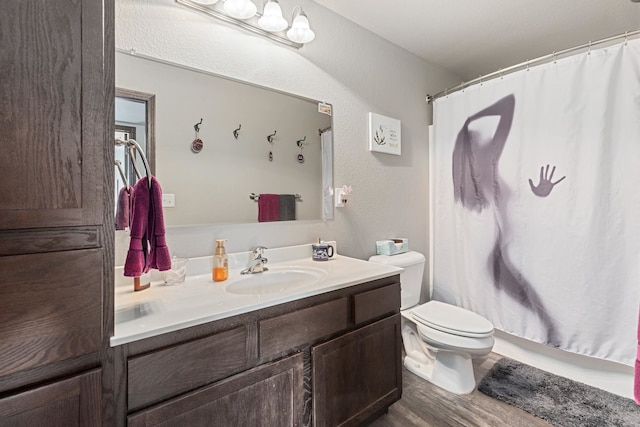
(527, 63)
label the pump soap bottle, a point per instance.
(220, 271)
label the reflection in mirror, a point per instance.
(218, 141)
(134, 116)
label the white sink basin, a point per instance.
(276, 280)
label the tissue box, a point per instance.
(392, 246)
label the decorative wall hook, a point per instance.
(197, 126)
(236, 132)
(270, 137)
(300, 143)
(197, 143)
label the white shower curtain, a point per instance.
(537, 202)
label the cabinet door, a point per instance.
(52, 125)
(357, 374)
(270, 395)
(72, 402)
(50, 308)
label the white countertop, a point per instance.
(161, 309)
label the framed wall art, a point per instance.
(384, 134)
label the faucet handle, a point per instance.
(258, 252)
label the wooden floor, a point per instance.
(424, 404)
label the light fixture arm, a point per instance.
(299, 9)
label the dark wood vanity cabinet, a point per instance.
(328, 360)
(56, 103)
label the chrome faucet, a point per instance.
(258, 262)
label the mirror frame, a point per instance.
(150, 117)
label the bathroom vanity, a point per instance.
(324, 354)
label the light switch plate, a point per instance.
(168, 200)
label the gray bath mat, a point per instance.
(560, 401)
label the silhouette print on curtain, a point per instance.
(477, 183)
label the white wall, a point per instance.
(345, 65)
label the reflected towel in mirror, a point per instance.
(287, 207)
(122, 209)
(268, 208)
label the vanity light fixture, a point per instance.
(300, 32)
(269, 24)
(240, 9)
(271, 19)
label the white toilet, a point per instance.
(439, 339)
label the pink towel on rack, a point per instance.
(159, 257)
(636, 372)
(122, 208)
(148, 247)
(268, 207)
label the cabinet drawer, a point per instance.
(290, 330)
(168, 372)
(375, 303)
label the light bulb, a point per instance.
(240, 9)
(300, 32)
(272, 19)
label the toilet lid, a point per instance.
(453, 320)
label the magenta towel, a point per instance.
(268, 207)
(147, 247)
(122, 208)
(636, 371)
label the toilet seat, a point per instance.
(445, 341)
(450, 319)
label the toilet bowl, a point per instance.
(440, 339)
(446, 338)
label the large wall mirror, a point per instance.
(252, 141)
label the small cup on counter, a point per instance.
(178, 271)
(321, 251)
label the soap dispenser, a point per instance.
(220, 271)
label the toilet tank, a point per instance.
(410, 278)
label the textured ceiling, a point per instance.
(474, 37)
